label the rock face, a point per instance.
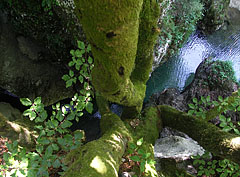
(212, 78)
(214, 15)
(16, 127)
(24, 72)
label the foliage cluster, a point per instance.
(204, 164)
(221, 73)
(177, 25)
(46, 22)
(138, 157)
(199, 109)
(54, 139)
(223, 168)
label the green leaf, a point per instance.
(140, 141)
(71, 73)
(80, 78)
(26, 101)
(66, 124)
(90, 60)
(43, 115)
(71, 63)
(132, 145)
(59, 116)
(227, 129)
(78, 135)
(78, 53)
(49, 150)
(72, 52)
(50, 133)
(71, 116)
(142, 166)
(56, 164)
(27, 112)
(195, 100)
(77, 66)
(43, 141)
(65, 77)
(81, 45)
(135, 158)
(191, 112)
(203, 99)
(89, 107)
(88, 48)
(32, 115)
(37, 100)
(68, 83)
(55, 123)
(220, 98)
(236, 131)
(192, 106)
(141, 151)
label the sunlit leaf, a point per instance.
(26, 101)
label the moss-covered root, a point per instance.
(102, 157)
(16, 131)
(149, 127)
(213, 139)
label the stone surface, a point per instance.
(175, 149)
(175, 146)
(235, 4)
(16, 127)
(24, 73)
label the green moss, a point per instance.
(207, 135)
(148, 33)
(150, 126)
(112, 29)
(17, 131)
(169, 169)
(103, 156)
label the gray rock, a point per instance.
(176, 147)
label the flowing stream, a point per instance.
(179, 70)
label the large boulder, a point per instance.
(175, 148)
(25, 72)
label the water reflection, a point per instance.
(223, 44)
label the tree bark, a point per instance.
(122, 35)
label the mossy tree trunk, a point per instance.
(122, 34)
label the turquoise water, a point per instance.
(223, 45)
